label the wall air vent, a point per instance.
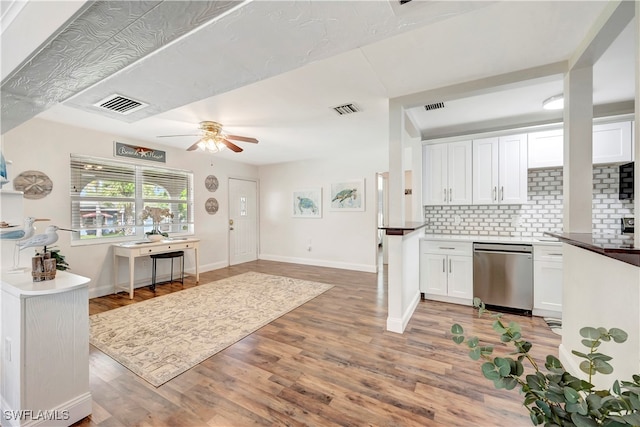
(435, 106)
(346, 109)
(120, 104)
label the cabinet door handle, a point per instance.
(449, 266)
(445, 195)
(501, 193)
(495, 189)
(450, 195)
(443, 266)
(555, 254)
(443, 247)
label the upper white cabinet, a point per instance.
(447, 173)
(612, 143)
(500, 170)
(546, 149)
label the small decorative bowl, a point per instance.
(155, 237)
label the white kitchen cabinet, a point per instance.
(447, 173)
(612, 143)
(547, 280)
(545, 149)
(500, 170)
(446, 271)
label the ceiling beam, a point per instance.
(520, 78)
(615, 17)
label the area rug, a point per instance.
(554, 324)
(160, 338)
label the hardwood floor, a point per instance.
(328, 362)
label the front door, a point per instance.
(243, 221)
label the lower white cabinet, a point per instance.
(547, 281)
(446, 271)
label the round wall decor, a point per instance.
(211, 206)
(211, 182)
(33, 184)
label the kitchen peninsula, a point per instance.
(601, 289)
(403, 243)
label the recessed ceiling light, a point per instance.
(554, 103)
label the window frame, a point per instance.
(184, 228)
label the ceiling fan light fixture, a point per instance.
(555, 102)
(210, 144)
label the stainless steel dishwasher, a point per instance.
(503, 275)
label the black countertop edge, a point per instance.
(602, 245)
(401, 230)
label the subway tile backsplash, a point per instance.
(542, 213)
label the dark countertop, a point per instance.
(404, 228)
(617, 246)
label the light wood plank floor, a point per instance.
(328, 362)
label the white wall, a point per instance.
(45, 146)
(338, 239)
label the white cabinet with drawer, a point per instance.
(446, 271)
(547, 280)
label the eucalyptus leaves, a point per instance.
(557, 398)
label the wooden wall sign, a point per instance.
(135, 152)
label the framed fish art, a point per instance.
(307, 203)
(347, 196)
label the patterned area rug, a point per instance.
(554, 324)
(160, 338)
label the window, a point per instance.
(107, 198)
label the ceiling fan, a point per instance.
(213, 139)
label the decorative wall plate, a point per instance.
(33, 184)
(211, 206)
(211, 182)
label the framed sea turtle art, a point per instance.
(347, 196)
(307, 203)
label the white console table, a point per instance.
(133, 250)
(45, 350)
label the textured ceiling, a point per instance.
(273, 69)
(102, 39)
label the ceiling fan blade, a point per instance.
(242, 138)
(233, 147)
(172, 136)
(193, 147)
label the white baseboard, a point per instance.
(63, 415)
(321, 263)
(398, 325)
(569, 362)
(107, 289)
(547, 313)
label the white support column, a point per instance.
(403, 279)
(396, 164)
(578, 136)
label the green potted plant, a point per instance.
(555, 397)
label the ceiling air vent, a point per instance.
(346, 109)
(120, 104)
(435, 106)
